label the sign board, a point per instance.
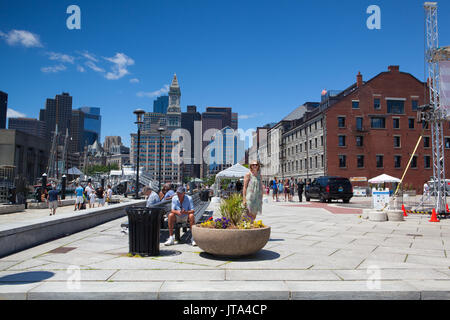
(359, 192)
(444, 94)
(380, 198)
(358, 179)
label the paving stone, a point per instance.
(16, 291)
(173, 275)
(393, 274)
(428, 260)
(265, 275)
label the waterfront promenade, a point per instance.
(316, 251)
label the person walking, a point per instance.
(79, 200)
(274, 189)
(300, 187)
(286, 190)
(291, 189)
(100, 195)
(52, 200)
(108, 193)
(253, 190)
(280, 188)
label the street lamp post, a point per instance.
(139, 121)
(160, 130)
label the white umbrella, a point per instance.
(384, 178)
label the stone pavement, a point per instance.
(313, 253)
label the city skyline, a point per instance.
(124, 71)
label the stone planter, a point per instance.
(230, 242)
(395, 215)
(377, 216)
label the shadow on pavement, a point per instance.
(262, 255)
(31, 276)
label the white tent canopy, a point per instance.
(384, 178)
(236, 171)
(74, 171)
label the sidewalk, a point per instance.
(313, 253)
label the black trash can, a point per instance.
(204, 195)
(143, 230)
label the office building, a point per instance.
(28, 125)
(3, 109)
(161, 104)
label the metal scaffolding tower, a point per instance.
(432, 113)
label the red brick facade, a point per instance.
(380, 141)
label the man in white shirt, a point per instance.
(89, 189)
(152, 196)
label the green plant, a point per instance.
(233, 208)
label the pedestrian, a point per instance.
(79, 194)
(426, 191)
(91, 199)
(52, 200)
(89, 189)
(170, 192)
(274, 189)
(100, 195)
(253, 190)
(152, 196)
(163, 191)
(300, 187)
(286, 189)
(280, 187)
(291, 189)
(108, 193)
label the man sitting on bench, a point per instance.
(182, 211)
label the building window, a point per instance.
(376, 104)
(377, 122)
(315, 143)
(321, 140)
(396, 123)
(321, 158)
(426, 142)
(316, 162)
(360, 161)
(395, 106)
(414, 162)
(447, 142)
(427, 162)
(397, 161)
(341, 122)
(359, 123)
(414, 105)
(310, 144)
(396, 141)
(411, 123)
(315, 125)
(341, 141)
(379, 159)
(359, 141)
(310, 162)
(355, 104)
(342, 161)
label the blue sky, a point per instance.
(262, 58)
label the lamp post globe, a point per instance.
(139, 121)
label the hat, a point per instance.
(153, 186)
(254, 162)
(181, 189)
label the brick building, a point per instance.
(363, 131)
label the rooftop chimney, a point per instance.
(359, 80)
(393, 68)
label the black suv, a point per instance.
(329, 188)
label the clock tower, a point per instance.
(174, 97)
(174, 109)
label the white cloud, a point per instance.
(61, 57)
(21, 37)
(11, 113)
(54, 69)
(93, 66)
(81, 69)
(89, 56)
(156, 93)
(249, 116)
(119, 69)
(134, 80)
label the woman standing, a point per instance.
(253, 190)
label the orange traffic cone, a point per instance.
(433, 217)
(404, 211)
(446, 207)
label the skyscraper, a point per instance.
(92, 125)
(58, 111)
(28, 125)
(161, 104)
(3, 109)
(188, 122)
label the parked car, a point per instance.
(329, 188)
